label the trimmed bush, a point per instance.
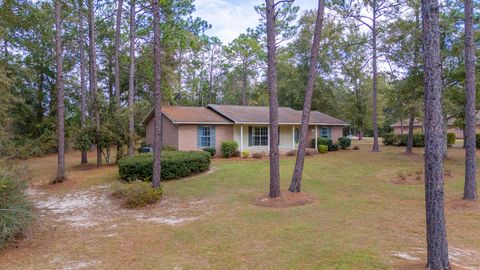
(229, 148)
(175, 164)
(138, 194)
(402, 139)
(15, 215)
(292, 153)
(322, 149)
(245, 154)
(169, 148)
(333, 147)
(210, 150)
(451, 138)
(258, 155)
(344, 142)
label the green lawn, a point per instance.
(358, 221)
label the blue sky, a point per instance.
(229, 18)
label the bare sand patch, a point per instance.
(286, 199)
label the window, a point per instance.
(206, 136)
(325, 132)
(297, 135)
(258, 136)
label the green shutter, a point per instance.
(212, 136)
(199, 136)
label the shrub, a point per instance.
(169, 148)
(418, 140)
(333, 147)
(210, 150)
(175, 164)
(322, 148)
(229, 148)
(292, 153)
(451, 138)
(138, 194)
(344, 142)
(15, 215)
(402, 175)
(245, 154)
(356, 147)
(258, 155)
(402, 139)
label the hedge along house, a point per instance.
(195, 128)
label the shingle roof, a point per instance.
(260, 115)
(186, 115)
(230, 114)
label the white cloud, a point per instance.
(230, 18)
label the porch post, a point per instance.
(316, 143)
(293, 137)
(241, 138)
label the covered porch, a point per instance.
(255, 137)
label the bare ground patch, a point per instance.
(410, 178)
(287, 199)
(460, 259)
(462, 205)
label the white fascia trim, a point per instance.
(202, 123)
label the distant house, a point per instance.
(194, 128)
(401, 127)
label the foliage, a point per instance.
(15, 215)
(344, 142)
(229, 148)
(245, 154)
(169, 148)
(210, 150)
(292, 153)
(175, 164)
(322, 148)
(137, 194)
(451, 138)
(477, 140)
(402, 139)
(333, 147)
(258, 155)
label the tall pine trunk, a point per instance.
(437, 245)
(273, 108)
(374, 79)
(131, 81)
(60, 93)
(93, 76)
(244, 87)
(470, 189)
(411, 122)
(296, 184)
(157, 137)
(118, 24)
(81, 48)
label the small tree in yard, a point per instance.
(437, 245)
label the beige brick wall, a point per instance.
(169, 132)
(187, 136)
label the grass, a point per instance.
(359, 219)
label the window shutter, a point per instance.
(212, 136)
(199, 136)
(250, 139)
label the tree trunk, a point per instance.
(296, 184)
(273, 108)
(81, 48)
(411, 122)
(60, 94)
(374, 79)
(244, 88)
(470, 189)
(437, 245)
(93, 76)
(118, 25)
(401, 125)
(131, 82)
(157, 137)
